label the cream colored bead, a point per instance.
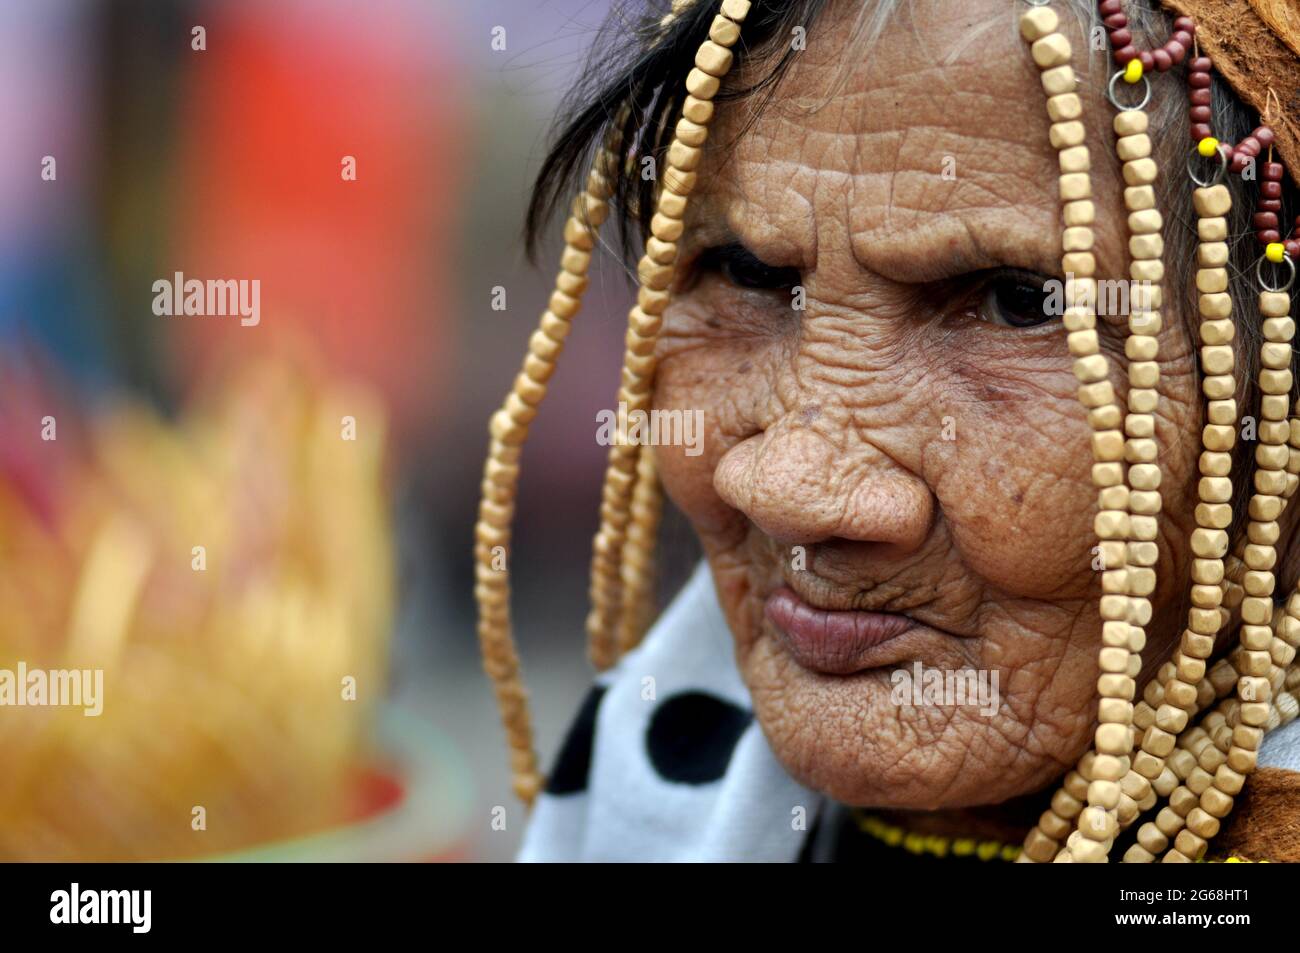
(1211, 280)
(1051, 51)
(1074, 159)
(1140, 172)
(1275, 382)
(679, 180)
(1147, 270)
(1275, 356)
(683, 156)
(1222, 411)
(1082, 343)
(1279, 329)
(1079, 212)
(1274, 304)
(724, 31)
(1077, 239)
(1133, 147)
(1064, 107)
(1218, 331)
(1144, 247)
(1079, 263)
(1037, 23)
(1059, 79)
(1075, 185)
(1062, 135)
(1145, 221)
(1212, 229)
(1139, 197)
(713, 58)
(1212, 202)
(702, 85)
(1215, 305)
(1212, 254)
(735, 9)
(1092, 368)
(1140, 346)
(1144, 374)
(698, 110)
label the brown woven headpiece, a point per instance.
(1255, 45)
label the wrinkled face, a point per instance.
(898, 472)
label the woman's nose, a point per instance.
(798, 487)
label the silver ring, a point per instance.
(1259, 274)
(1218, 173)
(1038, 3)
(1110, 93)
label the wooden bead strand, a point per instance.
(1146, 271)
(638, 554)
(1096, 822)
(1173, 698)
(509, 429)
(1254, 659)
(655, 271)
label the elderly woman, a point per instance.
(985, 305)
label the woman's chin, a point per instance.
(915, 726)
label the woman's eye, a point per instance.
(1016, 300)
(744, 269)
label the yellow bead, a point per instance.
(1133, 72)
(1207, 146)
(1275, 252)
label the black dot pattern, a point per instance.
(692, 736)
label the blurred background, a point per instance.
(262, 533)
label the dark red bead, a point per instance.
(1238, 162)
(1121, 38)
(1126, 54)
(1148, 62)
(1176, 51)
(1200, 114)
(1199, 97)
(1183, 37)
(1265, 136)
(1293, 247)
(1270, 190)
(1200, 64)
(1264, 220)
(1249, 145)
(1162, 60)
(1116, 21)
(1269, 205)
(1272, 172)
(1201, 130)
(1185, 24)
(1199, 80)
(1267, 236)
(1110, 7)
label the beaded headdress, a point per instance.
(1188, 744)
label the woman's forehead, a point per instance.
(934, 129)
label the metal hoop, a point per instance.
(1259, 274)
(1038, 3)
(1110, 93)
(1218, 173)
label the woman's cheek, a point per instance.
(1017, 508)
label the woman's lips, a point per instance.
(830, 642)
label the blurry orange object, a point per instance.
(283, 96)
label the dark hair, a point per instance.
(639, 64)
